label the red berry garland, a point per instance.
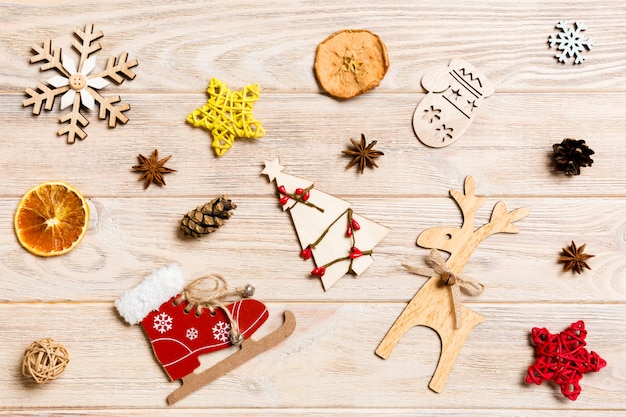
(352, 226)
(562, 358)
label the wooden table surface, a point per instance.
(328, 366)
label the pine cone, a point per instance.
(570, 155)
(207, 218)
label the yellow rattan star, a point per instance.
(228, 115)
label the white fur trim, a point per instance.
(158, 287)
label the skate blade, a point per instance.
(249, 349)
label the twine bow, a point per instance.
(199, 295)
(456, 282)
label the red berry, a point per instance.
(306, 196)
(355, 225)
(349, 231)
(319, 271)
(282, 189)
(355, 252)
(306, 253)
(299, 191)
(284, 199)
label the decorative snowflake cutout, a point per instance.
(445, 133)
(563, 359)
(220, 331)
(77, 85)
(192, 333)
(570, 42)
(431, 114)
(162, 323)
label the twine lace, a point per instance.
(199, 294)
(456, 282)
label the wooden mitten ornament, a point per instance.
(338, 240)
(454, 95)
(434, 305)
(184, 322)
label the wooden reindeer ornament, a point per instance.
(434, 306)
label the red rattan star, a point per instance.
(562, 358)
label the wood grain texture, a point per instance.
(328, 367)
(318, 366)
(507, 148)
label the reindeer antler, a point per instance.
(502, 221)
(468, 202)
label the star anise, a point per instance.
(574, 258)
(363, 154)
(152, 168)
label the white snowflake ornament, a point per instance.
(220, 331)
(78, 87)
(162, 323)
(192, 333)
(570, 42)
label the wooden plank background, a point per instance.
(328, 366)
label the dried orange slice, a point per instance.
(350, 62)
(51, 219)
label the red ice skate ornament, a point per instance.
(434, 306)
(338, 240)
(562, 358)
(184, 322)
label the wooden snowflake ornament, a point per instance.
(339, 240)
(228, 115)
(436, 305)
(563, 359)
(77, 84)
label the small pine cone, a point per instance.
(570, 155)
(207, 218)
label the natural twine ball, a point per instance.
(45, 360)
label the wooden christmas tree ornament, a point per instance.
(77, 85)
(434, 305)
(184, 322)
(455, 94)
(338, 240)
